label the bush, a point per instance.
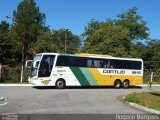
(156, 76)
(12, 74)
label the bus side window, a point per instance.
(95, 63)
(106, 63)
(112, 62)
(101, 64)
(62, 61)
(88, 63)
(83, 62)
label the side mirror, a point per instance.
(28, 63)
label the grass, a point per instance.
(147, 99)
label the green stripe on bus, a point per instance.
(88, 76)
(79, 75)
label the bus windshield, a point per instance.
(34, 66)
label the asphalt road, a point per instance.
(30, 100)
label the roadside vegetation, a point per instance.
(125, 36)
(147, 99)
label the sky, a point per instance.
(76, 14)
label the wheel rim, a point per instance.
(60, 84)
(125, 84)
(117, 84)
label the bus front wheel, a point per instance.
(117, 84)
(60, 84)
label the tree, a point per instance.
(54, 41)
(108, 39)
(137, 50)
(6, 43)
(115, 37)
(43, 43)
(73, 43)
(151, 55)
(134, 23)
(27, 22)
(92, 26)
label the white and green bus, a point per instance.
(61, 70)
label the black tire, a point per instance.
(126, 84)
(117, 84)
(60, 84)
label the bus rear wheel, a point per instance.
(60, 84)
(126, 84)
(117, 84)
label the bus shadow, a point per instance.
(86, 87)
(100, 87)
(43, 87)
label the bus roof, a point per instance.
(91, 55)
(95, 55)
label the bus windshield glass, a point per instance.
(35, 64)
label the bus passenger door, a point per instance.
(46, 66)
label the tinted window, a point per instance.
(80, 62)
(136, 65)
(46, 65)
(62, 61)
(77, 61)
(71, 61)
(126, 64)
(97, 63)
